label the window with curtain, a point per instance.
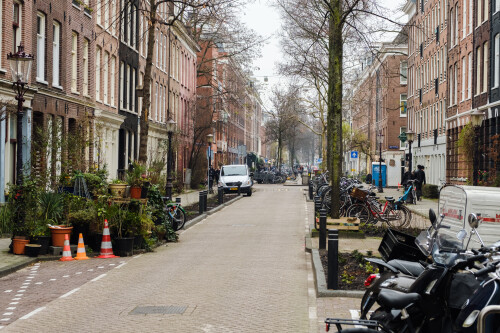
(74, 62)
(403, 72)
(463, 79)
(497, 59)
(85, 67)
(40, 47)
(112, 82)
(469, 80)
(478, 70)
(105, 74)
(98, 74)
(486, 56)
(56, 41)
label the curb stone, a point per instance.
(203, 216)
(320, 281)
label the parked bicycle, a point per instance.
(175, 213)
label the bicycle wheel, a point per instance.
(359, 211)
(409, 215)
(180, 219)
(395, 218)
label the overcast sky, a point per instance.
(262, 17)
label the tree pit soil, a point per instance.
(193, 210)
(352, 272)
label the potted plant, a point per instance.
(117, 188)
(125, 222)
(52, 206)
(32, 250)
(135, 179)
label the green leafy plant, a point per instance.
(347, 278)
(358, 256)
(136, 175)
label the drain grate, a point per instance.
(171, 309)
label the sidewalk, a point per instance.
(10, 263)
(421, 208)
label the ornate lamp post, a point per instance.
(476, 119)
(409, 137)
(20, 67)
(170, 131)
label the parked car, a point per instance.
(233, 175)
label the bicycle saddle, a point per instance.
(389, 198)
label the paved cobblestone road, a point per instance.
(243, 269)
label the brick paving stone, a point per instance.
(243, 269)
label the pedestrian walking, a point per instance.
(420, 177)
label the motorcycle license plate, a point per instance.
(234, 189)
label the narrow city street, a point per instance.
(242, 269)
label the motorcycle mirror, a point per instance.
(473, 221)
(432, 216)
(462, 234)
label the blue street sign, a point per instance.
(354, 154)
(320, 160)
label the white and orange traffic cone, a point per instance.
(66, 256)
(106, 247)
(81, 254)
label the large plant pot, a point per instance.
(44, 242)
(124, 247)
(58, 234)
(135, 192)
(32, 250)
(118, 190)
(18, 245)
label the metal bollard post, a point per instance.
(201, 202)
(317, 204)
(239, 186)
(220, 195)
(178, 200)
(333, 259)
(322, 229)
(310, 190)
(205, 203)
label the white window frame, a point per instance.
(486, 57)
(478, 70)
(497, 6)
(401, 108)
(98, 14)
(105, 73)
(114, 19)
(486, 13)
(106, 15)
(112, 81)
(496, 59)
(122, 83)
(464, 21)
(469, 75)
(471, 15)
(156, 102)
(479, 12)
(40, 46)
(132, 94)
(98, 74)
(56, 40)
(403, 66)
(85, 86)
(127, 87)
(463, 79)
(74, 62)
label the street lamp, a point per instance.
(170, 131)
(210, 139)
(380, 188)
(409, 137)
(476, 119)
(20, 67)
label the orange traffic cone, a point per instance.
(81, 254)
(106, 247)
(66, 250)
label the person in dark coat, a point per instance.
(406, 177)
(420, 177)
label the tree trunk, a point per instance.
(334, 117)
(146, 100)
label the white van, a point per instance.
(233, 175)
(456, 202)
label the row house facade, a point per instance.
(378, 109)
(229, 106)
(82, 109)
(428, 78)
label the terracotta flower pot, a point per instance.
(58, 234)
(135, 192)
(18, 245)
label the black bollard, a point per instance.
(322, 229)
(317, 205)
(310, 190)
(201, 202)
(205, 203)
(333, 259)
(220, 195)
(239, 186)
(178, 200)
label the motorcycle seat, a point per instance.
(407, 267)
(395, 299)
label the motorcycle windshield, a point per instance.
(447, 249)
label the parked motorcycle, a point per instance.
(438, 298)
